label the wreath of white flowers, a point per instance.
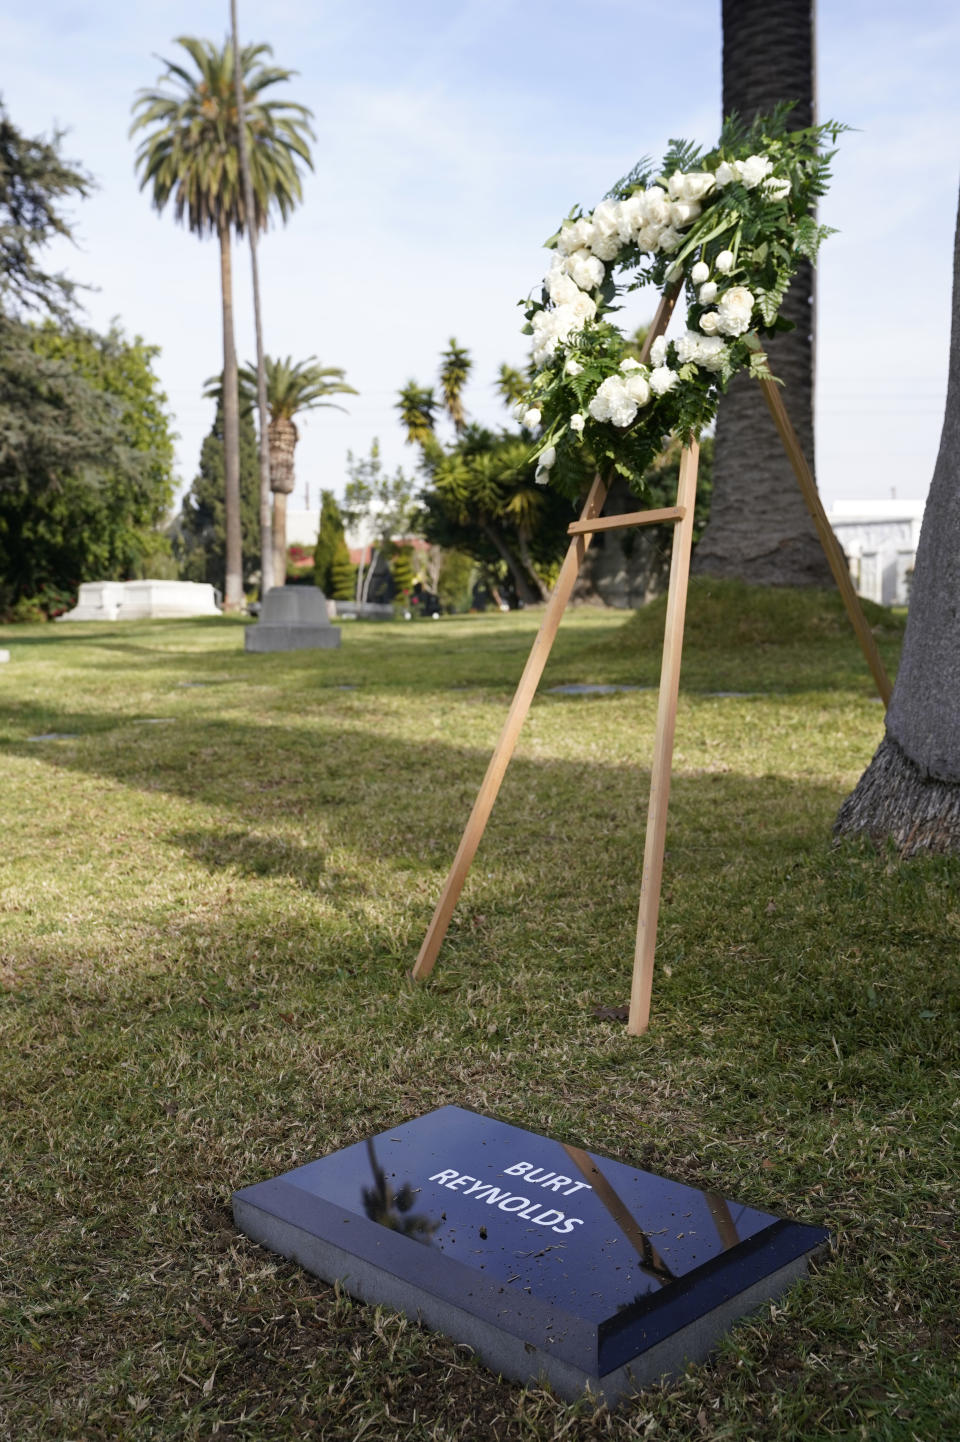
(731, 226)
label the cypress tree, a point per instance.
(202, 541)
(329, 538)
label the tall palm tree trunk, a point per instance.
(283, 437)
(910, 792)
(759, 528)
(233, 586)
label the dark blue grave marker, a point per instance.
(547, 1260)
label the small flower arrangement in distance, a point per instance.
(731, 226)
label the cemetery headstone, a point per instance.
(549, 1261)
(292, 618)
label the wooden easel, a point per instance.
(581, 531)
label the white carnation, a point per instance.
(574, 235)
(725, 174)
(710, 322)
(712, 353)
(631, 217)
(577, 423)
(663, 379)
(724, 262)
(702, 350)
(531, 418)
(700, 272)
(708, 292)
(560, 288)
(777, 188)
(605, 247)
(572, 367)
(606, 218)
(687, 347)
(752, 170)
(613, 402)
(735, 310)
(658, 351)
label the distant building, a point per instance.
(879, 539)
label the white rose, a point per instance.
(724, 262)
(675, 185)
(648, 238)
(585, 269)
(696, 184)
(669, 239)
(532, 418)
(629, 364)
(572, 367)
(735, 310)
(637, 388)
(700, 273)
(613, 402)
(752, 170)
(655, 206)
(777, 188)
(547, 457)
(684, 212)
(710, 322)
(725, 173)
(584, 307)
(663, 379)
(658, 351)
(577, 423)
(708, 293)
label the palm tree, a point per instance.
(910, 792)
(418, 413)
(190, 153)
(455, 367)
(759, 528)
(291, 389)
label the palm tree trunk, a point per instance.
(759, 529)
(279, 538)
(266, 521)
(524, 549)
(910, 792)
(233, 581)
(521, 581)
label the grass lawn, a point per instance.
(211, 895)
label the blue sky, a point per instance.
(451, 138)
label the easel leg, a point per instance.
(663, 747)
(522, 700)
(532, 672)
(835, 557)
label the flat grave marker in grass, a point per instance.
(55, 736)
(549, 1261)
